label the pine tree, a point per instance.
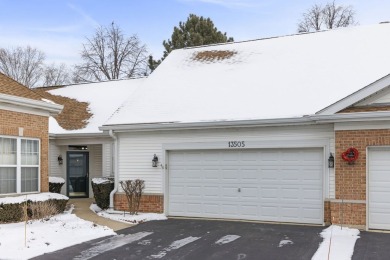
(195, 31)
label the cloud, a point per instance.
(86, 17)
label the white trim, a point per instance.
(375, 125)
(53, 109)
(357, 96)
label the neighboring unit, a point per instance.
(24, 138)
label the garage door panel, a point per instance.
(266, 184)
(379, 189)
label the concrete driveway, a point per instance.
(200, 239)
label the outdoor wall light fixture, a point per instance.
(331, 161)
(60, 160)
(155, 160)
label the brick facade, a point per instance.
(149, 203)
(351, 178)
(34, 126)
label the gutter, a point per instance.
(304, 120)
(116, 174)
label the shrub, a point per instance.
(102, 188)
(14, 212)
(133, 190)
(11, 213)
(55, 184)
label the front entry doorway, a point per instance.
(78, 174)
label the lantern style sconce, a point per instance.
(331, 161)
(155, 160)
(60, 160)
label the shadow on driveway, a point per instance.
(200, 239)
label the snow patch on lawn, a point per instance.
(175, 245)
(338, 242)
(125, 216)
(45, 236)
(227, 239)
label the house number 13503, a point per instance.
(236, 144)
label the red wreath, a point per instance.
(350, 155)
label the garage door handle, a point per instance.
(239, 189)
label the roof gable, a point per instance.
(87, 106)
(279, 77)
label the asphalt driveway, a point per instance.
(200, 239)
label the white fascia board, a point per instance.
(305, 120)
(52, 109)
(357, 96)
(78, 135)
(209, 124)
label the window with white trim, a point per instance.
(19, 165)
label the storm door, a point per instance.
(78, 173)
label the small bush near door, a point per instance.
(55, 184)
(102, 188)
(133, 190)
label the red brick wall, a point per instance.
(351, 178)
(33, 126)
(149, 203)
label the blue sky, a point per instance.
(59, 27)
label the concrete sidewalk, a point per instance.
(81, 210)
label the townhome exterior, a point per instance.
(286, 129)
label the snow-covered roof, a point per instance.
(88, 106)
(279, 77)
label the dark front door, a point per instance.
(78, 171)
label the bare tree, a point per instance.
(54, 75)
(24, 65)
(331, 16)
(110, 55)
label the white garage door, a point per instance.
(379, 189)
(269, 184)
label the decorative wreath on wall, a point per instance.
(350, 155)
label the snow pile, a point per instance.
(227, 239)
(56, 180)
(58, 232)
(101, 180)
(33, 197)
(338, 243)
(125, 217)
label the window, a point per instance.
(19, 165)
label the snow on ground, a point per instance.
(45, 236)
(175, 245)
(226, 239)
(338, 243)
(125, 216)
(285, 242)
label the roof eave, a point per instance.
(304, 120)
(52, 109)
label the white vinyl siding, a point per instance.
(95, 164)
(282, 185)
(379, 188)
(136, 149)
(108, 159)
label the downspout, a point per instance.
(116, 175)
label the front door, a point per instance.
(77, 172)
